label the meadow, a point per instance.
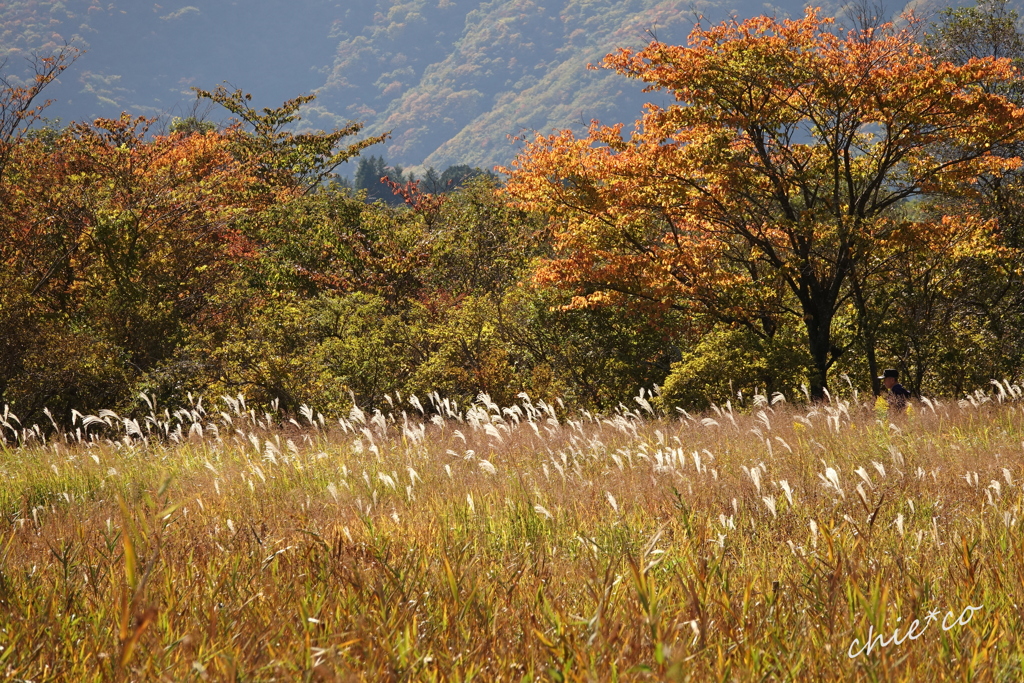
(528, 542)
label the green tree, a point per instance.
(283, 157)
(728, 362)
(190, 125)
(372, 176)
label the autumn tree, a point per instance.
(955, 315)
(20, 104)
(989, 29)
(115, 240)
(774, 177)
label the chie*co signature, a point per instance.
(913, 632)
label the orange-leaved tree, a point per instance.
(19, 101)
(775, 176)
(111, 230)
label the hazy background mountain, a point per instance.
(452, 79)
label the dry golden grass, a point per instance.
(524, 543)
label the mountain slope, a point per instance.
(451, 79)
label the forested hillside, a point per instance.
(812, 206)
(451, 78)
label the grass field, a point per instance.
(517, 543)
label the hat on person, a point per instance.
(895, 374)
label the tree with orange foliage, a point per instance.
(119, 236)
(19, 102)
(776, 175)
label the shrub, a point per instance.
(730, 360)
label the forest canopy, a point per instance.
(815, 204)
(776, 191)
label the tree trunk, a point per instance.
(867, 333)
(876, 384)
(819, 337)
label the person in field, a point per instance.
(896, 396)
